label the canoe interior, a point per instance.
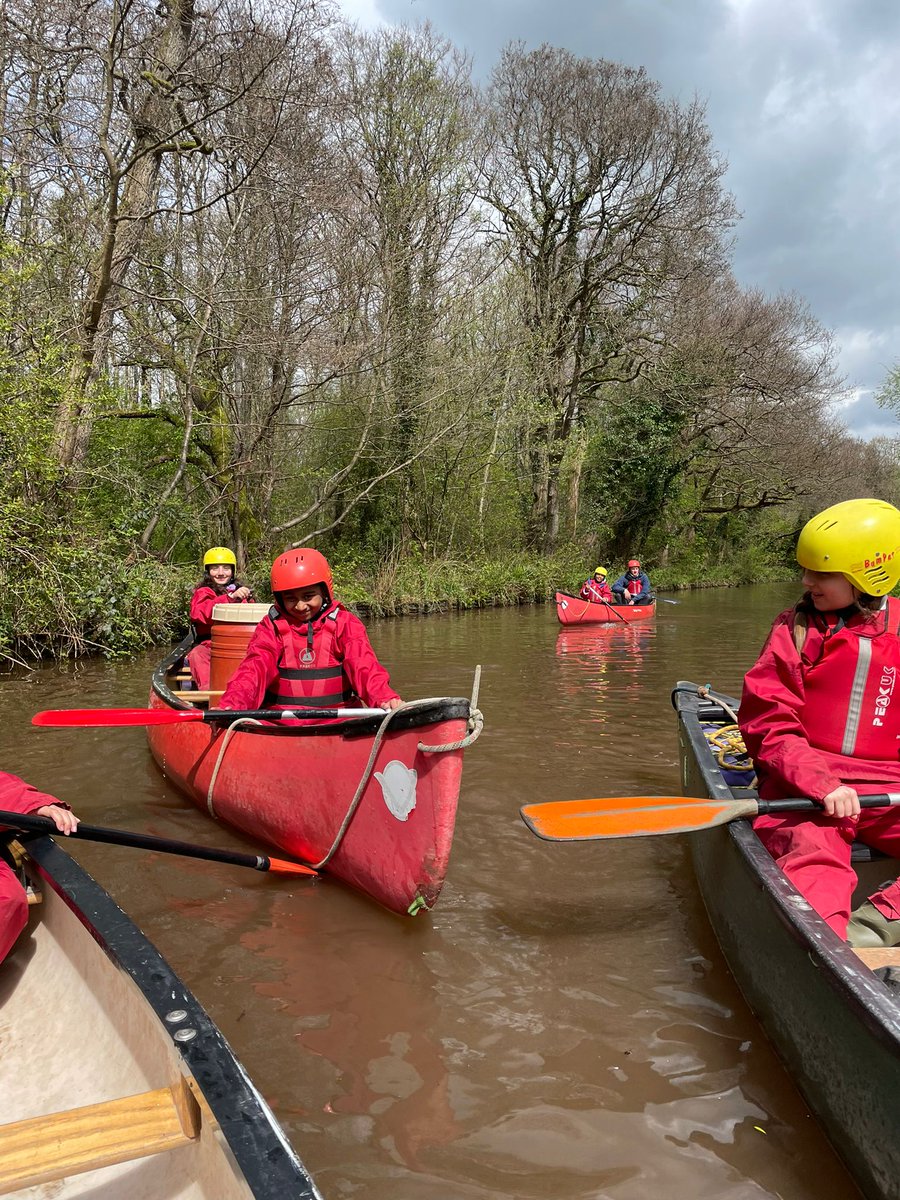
(572, 610)
(835, 1025)
(91, 1013)
(292, 787)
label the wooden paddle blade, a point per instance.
(280, 866)
(64, 717)
(630, 816)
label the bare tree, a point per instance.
(113, 102)
(755, 380)
(406, 139)
(607, 197)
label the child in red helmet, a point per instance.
(309, 652)
(20, 797)
(633, 587)
(218, 586)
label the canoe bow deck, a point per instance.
(294, 787)
(835, 1025)
(572, 610)
(116, 1083)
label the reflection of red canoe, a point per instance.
(293, 787)
(572, 610)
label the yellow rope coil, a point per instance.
(727, 740)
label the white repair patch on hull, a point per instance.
(398, 786)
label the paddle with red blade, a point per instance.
(647, 816)
(67, 717)
(145, 841)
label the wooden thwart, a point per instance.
(878, 956)
(44, 1149)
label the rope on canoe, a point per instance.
(704, 692)
(729, 751)
(475, 725)
(224, 746)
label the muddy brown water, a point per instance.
(562, 1026)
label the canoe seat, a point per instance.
(201, 696)
(44, 1149)
(878, 956)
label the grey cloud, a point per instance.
(803, 101)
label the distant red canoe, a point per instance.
(293, 786)
(572, 610)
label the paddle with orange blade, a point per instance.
(145, 841)
(647, 816)
(69, 717)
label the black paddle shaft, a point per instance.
(795, 804)
(140, 841)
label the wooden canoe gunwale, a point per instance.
(834, 1024)
(267, 1162)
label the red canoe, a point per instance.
(294, 787)
(572, 610)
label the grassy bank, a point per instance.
(116, 609)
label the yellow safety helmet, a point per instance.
(600, 571)
(858, 538)
(219, 556)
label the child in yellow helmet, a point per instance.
(218, 586)
(596, 589)
(820, 715)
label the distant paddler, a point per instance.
(596, 589)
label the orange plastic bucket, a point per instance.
(232, 629)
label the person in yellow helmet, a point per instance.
(596, 588)
(218, 586)
(820, 715)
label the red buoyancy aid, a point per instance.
(635, 586)
(599, 593)
(852, 697)
(314, 677)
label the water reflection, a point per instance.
(364, 1001)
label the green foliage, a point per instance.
(632, 466)
(78, 599)
(418, 585)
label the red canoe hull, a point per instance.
(572, 610)
(292, 788)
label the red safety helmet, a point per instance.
(633, 562)
(301, 568)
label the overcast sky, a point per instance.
(803, 99)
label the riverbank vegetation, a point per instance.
(265, 281)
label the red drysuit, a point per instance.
(338, 639)
(817, 719)
(203, 601)
(15, 796)
(596, 591)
